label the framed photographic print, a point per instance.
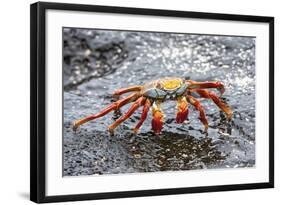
(129, 102)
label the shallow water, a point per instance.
(97, 62)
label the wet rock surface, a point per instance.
(97, 62)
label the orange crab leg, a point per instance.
(145, 110)
(126, 90)
(157, 120)
(132, 109)
(202, 116)
(215, 84)
(182, 110)
(108, 109)
(216, 100)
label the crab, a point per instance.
(153, 93)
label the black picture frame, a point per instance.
(38, 101)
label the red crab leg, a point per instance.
(145, 110)
(202, 116)
(216, 100)
(182, 110)
(131, 110)
(108, 109)
(126, 90)
(157, 120)
(215, 84)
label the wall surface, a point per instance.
(14, 109)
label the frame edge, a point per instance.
(271, 102)
(33, 103)
(154, 12)
(37, 102)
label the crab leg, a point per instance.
(202, 116)
(182, 110)
(108, 109)
(214, 84)
(145, 110)
(216, 100)
(126, 90)
(131, 110)
(157, 120)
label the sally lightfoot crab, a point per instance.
(153, 93)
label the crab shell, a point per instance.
(165, 89)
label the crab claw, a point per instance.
(157, 120)
(182, 110)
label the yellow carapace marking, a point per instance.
(171, 83)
